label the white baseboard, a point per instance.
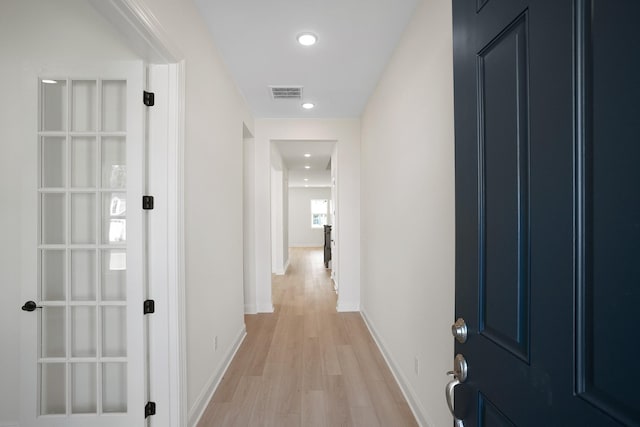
(347, 307)
(198, 408)
(250, 309)
(10, 424)
(307, 245)
(408, 391)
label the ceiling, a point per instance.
(257, 41)
(319, 173)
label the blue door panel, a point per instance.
(503, 183)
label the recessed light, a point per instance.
(307, 167)
(308, 105)
(307, 39)
(307, 155)
(49, 81)
(306, 185)
(306, 179)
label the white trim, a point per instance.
(165, 237)
(201, 403)
(141, 29)
(250, 309)
(147, 37)
(176, 251)
(408, 391)
(307, 245)
(9, 425)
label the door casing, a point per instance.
(167, 346)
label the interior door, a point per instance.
(82, 323)
(547, 212)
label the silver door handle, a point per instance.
(459, 375)
(449, 393)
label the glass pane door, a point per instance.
(82, 248)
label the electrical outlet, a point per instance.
(215, 343)
(416, 366)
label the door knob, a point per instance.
(30, 306)
(459, 330)
(459, 374)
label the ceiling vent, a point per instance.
(286, 92)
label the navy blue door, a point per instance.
(547, 109)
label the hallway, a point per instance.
(306, 364)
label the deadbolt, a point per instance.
(459, 330)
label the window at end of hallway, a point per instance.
(319, 212)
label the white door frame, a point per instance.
(167, 347)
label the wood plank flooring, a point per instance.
(307, 365)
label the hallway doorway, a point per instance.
(303, 201)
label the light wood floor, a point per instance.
(306, 364)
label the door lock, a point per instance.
(459, 330)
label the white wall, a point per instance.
(249, 219)
(335, 250)
(300, 230)
(214, 117)
(277, 262)
(408, 197)
(285, 219)
(279, 213)
(34, 35)
(347, 134)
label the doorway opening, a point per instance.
(304, 212)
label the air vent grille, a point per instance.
(286, 92)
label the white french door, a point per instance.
(83, 346)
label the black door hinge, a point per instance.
(149, 307)
(147, 202)
(149, 409)
(148, 98)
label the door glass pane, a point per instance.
(52, 275)
(114, 106)
(53, 332)
(83, 218)
(53, 380)
(54, 105)
(53, 159)
(114, 275)
(82, 254)
(83, 162)
(114, 331)
(83, 106)
(114, 228)
(83, 332)
(53, 219)
(84, 399)
(114, 387)
(83, 275)
(114, 169)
